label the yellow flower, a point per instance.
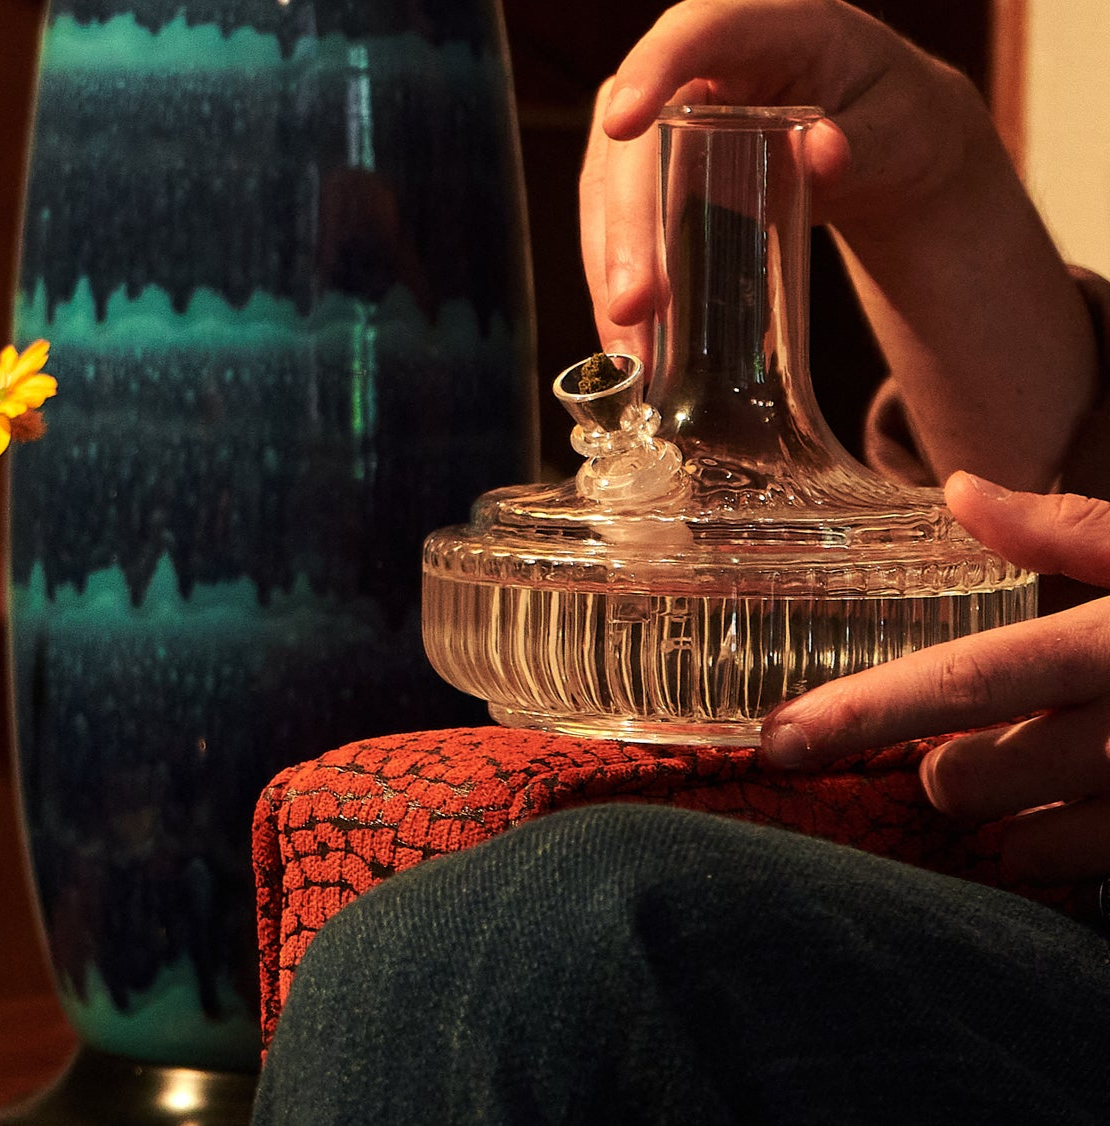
(24, 387)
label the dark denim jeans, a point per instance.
(639, 964)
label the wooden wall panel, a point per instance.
(20, 23)
(1006, 87)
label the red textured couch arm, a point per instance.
(330, 829)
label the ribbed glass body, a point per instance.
(719, 551)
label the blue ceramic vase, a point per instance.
(279, 249)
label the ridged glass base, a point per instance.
(679, 668)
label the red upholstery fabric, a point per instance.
(328, 830)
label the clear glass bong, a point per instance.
(718, 551)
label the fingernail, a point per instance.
(988, 488)
(927, 772)
(622, 101)
(786, 746)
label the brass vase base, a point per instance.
(98, 1089)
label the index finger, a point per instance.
(617, 225)
(748, 43)
(987, 678)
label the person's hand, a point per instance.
(900, 123)
(1053, 769)
(966, 293)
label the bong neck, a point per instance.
(732, 368)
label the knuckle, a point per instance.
(1080, 649)
(1081, 518)
(964, 682)
(849, 718)
(705, 16)
(1078, 512)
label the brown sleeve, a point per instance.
(890, 448)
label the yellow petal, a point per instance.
(31, 359)
(10, 407)
(34, 389)
(8, 359)
(5, 434)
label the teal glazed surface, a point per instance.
(279, 250)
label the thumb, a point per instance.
(1063, 534)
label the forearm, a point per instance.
(986, 333)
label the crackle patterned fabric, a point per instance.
(330, 829)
